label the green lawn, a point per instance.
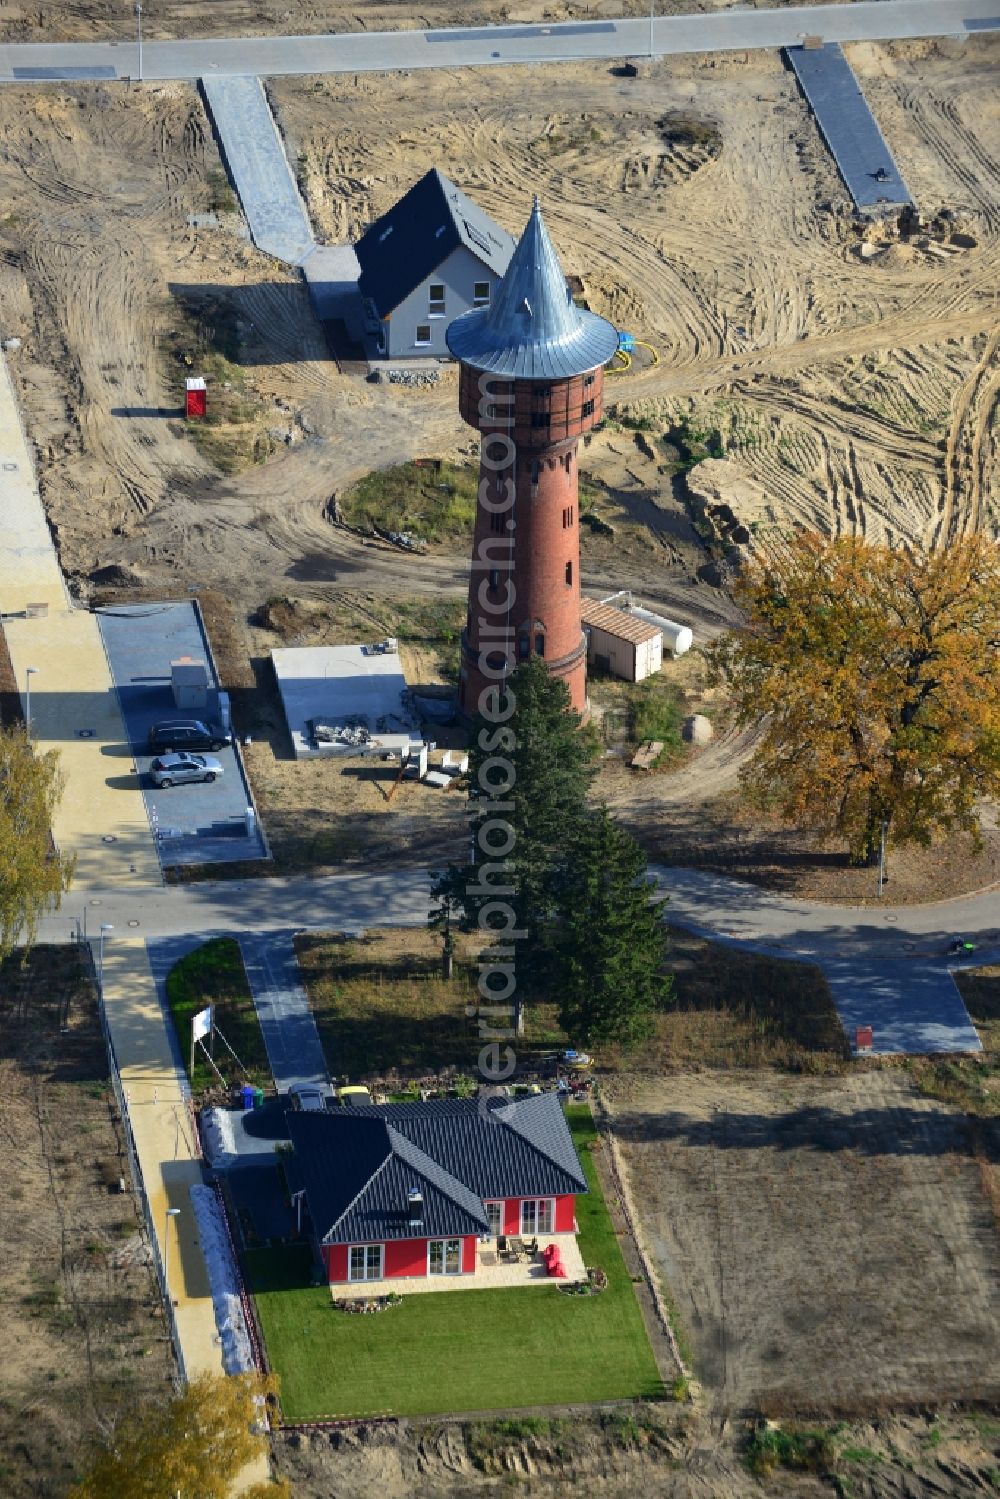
(460, 1350)
(213, 974)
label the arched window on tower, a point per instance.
(523, 643)
(539, 638)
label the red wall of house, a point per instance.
(564, 1217)
(403, 1257)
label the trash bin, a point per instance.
(247, 1095)
(258, 1098)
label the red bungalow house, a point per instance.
(408, 1189)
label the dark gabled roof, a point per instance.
(498, 1148)
(357, 1174)
(357, 1164)
(404, 246)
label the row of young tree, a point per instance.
(589, 933)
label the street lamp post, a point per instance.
(881, 858)
(29, 672)
(171, 1213)
(652, 5)
(138, 21)
(105, 927)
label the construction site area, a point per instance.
(827, 370)
(237, 482)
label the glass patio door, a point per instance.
(444, 1257)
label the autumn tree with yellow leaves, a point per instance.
(876, 674)
(33, 875)
(195, 1445)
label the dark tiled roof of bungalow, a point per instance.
(406, 245)
(358, 1163)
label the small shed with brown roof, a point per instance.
(620, 643)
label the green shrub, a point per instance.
(804, 1450)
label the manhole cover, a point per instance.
(84, 733)
(133, 922)
(109, 838)
(95, 902)
(892, 918)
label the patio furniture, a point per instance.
(505, 1251)
(531, 1248)
(552, 1255)
(517, 1249)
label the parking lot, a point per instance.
(196, 823)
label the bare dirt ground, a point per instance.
(829, 1242)
(666, 1455)
(849, 393)
(81, 1328)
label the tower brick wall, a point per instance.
(524, 592)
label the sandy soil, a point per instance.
(847, 393)
(828, 1241)
(80, 1324)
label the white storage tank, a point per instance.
(676, 638)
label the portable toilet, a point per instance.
(626, 342)
(247, 1094)
(195, 397)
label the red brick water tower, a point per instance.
(532, 367)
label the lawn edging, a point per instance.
(620, 1184)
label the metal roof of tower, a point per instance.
(533, 330)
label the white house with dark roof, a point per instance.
(432, 257)
(443, 1193)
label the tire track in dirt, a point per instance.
(960, 508)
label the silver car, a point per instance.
(175, 770)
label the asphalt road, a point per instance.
(378, 52)
(887, 967)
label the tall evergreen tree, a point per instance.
(529, 772)
(607, 936)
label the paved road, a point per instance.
(379, 52)
(886, 967)
(293, 1046)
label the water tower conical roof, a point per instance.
(533, 329)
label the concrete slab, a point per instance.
(255, 155)
(913, 1008)
(331, 273)
(849, 128)
(286, 1020)
(198, 824)
(343, 684)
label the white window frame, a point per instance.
(501, 1213)
(537, 1204)
(444, 1256)
(422, 343)
(478, 299)
(436, 305)
(359, 1279)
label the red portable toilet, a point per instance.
(196, 397)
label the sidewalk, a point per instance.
(101, 819)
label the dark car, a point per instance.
(187, 734)
(174, 770)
